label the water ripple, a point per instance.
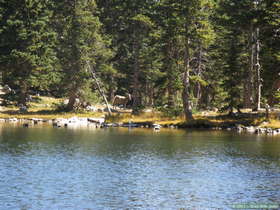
(64, 169)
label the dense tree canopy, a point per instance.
(181, 55)
(27, 45)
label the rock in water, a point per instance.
(156, 126)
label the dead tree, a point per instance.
(100, 90)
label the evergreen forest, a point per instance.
(180, 55)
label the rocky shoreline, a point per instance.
(58, 122)
(257, 130)
(101, 123)
(239, 129)
(78, 122)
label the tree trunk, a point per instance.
(23, 93)
(230, 113)
(186, 84)
(249, 82)
(258, 72)
(111, 91)
(100, 90)
(199, 71)
(151, 95)
(170, 96)
(136, 85)
(71, 102)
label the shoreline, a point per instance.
(101, 122)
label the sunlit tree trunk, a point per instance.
(72, 100)
(23, 92)
(136, 83)
(249, 81)
(258, 72)
(186, 83)
(199, 71)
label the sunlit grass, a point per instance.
(153, 117)
(273, 121)
(49, 115)
(45, 108)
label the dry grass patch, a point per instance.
(152, 117)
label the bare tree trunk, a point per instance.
(100, 90)
(136, 85)
(258, 72)
(186, 84)
(199, 70)
(71, 102)
(249, 82)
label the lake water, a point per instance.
(58, 168)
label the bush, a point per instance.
(60, 107)
(138, 110)
(171, 111)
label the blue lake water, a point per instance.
(58, 168)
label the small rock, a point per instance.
(156, 126)
(269, 131)
(277, 131)
(260, 130)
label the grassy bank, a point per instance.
(47, 115)
(45, 108)
(202, 120)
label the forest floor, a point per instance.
(205, 119)
(45, 108)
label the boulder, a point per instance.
(277, 131)
(156, 127)
(250, 129)
(269, 131)
(260, 130)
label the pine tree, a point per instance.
(80, 43)
(187, 28)
(271, 47)
(130, 25)
(26, 45)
